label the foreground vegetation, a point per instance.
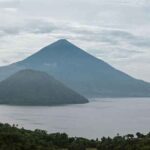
(13, 138)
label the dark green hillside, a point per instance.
(30, 87)
(13, 138)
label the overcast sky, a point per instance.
(117, 31)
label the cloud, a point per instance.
(121, 43)
(9, 3)
(116, 31)
(83, 32)
(28, 26)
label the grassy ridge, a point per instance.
(13, 138)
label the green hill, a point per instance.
(13, 138)
(29, 87)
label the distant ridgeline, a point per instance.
(29, 87)
(80, 71)
(13, 138)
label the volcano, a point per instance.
(80, 71)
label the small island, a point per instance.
(36, 88)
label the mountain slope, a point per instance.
(82, 72)
(28, 87)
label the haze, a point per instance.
(118, 30)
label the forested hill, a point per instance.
(13, 138)
(30, 87)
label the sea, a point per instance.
(100, 117)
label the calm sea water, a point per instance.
(102, 117)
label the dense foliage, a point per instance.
(13, 138)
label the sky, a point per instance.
(117, 31)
